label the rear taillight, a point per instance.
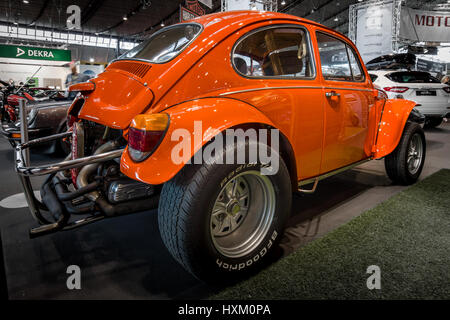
(446, 89)
(396, 89)
(145, 134)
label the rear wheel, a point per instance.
(433, 122)
(405, 163)
(221, 221)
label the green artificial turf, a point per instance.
(407, 236)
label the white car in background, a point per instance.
(431, 96)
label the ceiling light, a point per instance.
(336, 19)
(91, 59)
(26, 1)
(283, 3)
(162, 24)
(15, 23)
(125, 18)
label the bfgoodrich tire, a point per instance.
(405, 163)
(221, 221)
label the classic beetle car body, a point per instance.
(241, 70)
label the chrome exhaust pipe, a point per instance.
(88, 170)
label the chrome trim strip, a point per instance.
(326, 175)
(351, 89)
(292, 87)
(269, 88)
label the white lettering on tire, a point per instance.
(250, 261)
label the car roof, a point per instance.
(245, 17)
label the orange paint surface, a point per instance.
(393, 120)
(84, 86)
(217, 114)
(325, 133)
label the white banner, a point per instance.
(423, 25)
(243, 5)
(373, 31)
(207, 3)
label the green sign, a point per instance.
(33, 82)
(22, 52)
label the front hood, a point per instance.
(116, 100)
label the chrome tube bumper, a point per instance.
(24, 170)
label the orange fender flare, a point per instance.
(216, 114)
(390, 130)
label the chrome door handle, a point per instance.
(332, 94)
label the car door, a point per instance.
(276, 72)
(348, 99)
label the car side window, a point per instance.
(358, 74)
(274, 52)
(333, 58)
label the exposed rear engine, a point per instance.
(97, 189)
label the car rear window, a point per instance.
(412, 77)
(165, 44)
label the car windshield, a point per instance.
(412, 77)
(164, 45)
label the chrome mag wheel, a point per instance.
(242, 214)
(415, 154)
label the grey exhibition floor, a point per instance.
(124, 258)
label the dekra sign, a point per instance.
(35, 53)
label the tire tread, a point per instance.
(395, 166)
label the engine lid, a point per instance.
(116, 100)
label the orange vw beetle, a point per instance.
(216, 122)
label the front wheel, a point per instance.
(405, 163)
(221, 221)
